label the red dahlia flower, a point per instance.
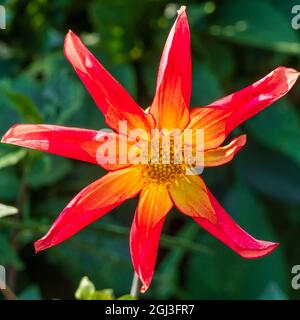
(160, 186)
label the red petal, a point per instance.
(221, 226)
(227, 231)
(91, 204)
(111, 98)
(173, 90)
(75, 143)
(154, 204)
(220, 117)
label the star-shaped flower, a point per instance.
(160, 186)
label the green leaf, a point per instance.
(278, 127)
(196, 13)
(8, 255)
(206, 86)
(85, 290)
(258, 23)
(12, 158)
(119, 32)
(105, 294)
(125, 74)
(7, 210)
(63, 96)
(220, 59)
(46, 170)
(126, 297)
(269, 172)
(23, 104)
(9, 115)
(9, 184)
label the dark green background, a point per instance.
(234, 43)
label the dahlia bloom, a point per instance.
(160, 186)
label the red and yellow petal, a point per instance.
(224, 154)
(75, 143)
(153, 205)
(173, 89)
(189, 195)
(111, 98)
(212, 121)
(219, 118)
(222, 225)
(92, 203)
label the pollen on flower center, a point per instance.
(163, 173)
(164, 168)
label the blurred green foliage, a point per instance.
(234, 43)
(87, 291)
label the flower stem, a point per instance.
(7, 293)
(134, 291)
(12, 274)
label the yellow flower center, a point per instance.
(164, 168)
(163, 173)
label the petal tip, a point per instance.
(287, 69)
(69, 34)
(273, 246)
(242, 140)
(268, 247)
(7, 138)
(77, 53)
(290, 74)
(181, 10)
(144, 287)
(68, 39)
(40, 245)
(3, 139)
(36, 246)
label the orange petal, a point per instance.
(222, 155)
(212, 121)
(154, 204)
(92, 203)
(111, 98)
(173, 90)
(190, 197)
